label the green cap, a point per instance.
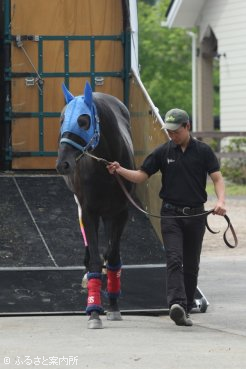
(174, 118)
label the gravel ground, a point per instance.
(213, 244)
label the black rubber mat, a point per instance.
(41, 253)
(38, 214)
(60, 291)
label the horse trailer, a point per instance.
(44, 43)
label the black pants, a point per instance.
(183, 243)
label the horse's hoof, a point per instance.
(94, 321)
(84, 281)
(94, 324)
(114, 315)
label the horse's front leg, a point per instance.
(114, 228)
(94, 275)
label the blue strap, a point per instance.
(73, 143)
(114, 267)
(94, 275)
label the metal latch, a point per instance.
(99, 81)
(20, 38)
(30, 81)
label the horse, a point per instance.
(99, 123)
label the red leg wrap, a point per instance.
(94, 295)
(113, 284)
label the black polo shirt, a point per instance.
(184, 174)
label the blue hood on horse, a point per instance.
(76, 108)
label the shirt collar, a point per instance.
(190, 144)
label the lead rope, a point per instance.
(229, 226)
(205, 213)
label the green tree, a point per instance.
(165, 58)
(216, 82)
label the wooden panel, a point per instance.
(109, 56)
(25, 133)
(19, 61)
(113, 86)
(71, 17)
(53, 56)
(34, 163)
(24, 99)
(79, 56)
(76, 85)
(51, 133)
(147, 134)
(59, 18)
(53, 95)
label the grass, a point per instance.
(232, 189)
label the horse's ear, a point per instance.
(88, 94)
(67, 94)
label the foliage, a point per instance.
(165, 58)
(232, 189)
(216, 83)
(235, 169)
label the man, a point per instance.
(184, 163)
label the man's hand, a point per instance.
(132, 175)
(112, 167)
(219, 187)
(219, 208)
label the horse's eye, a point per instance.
(84, 121)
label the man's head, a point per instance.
(175, 118)
(178, 126)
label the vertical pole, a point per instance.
(93, 63)
(7, 85)
(41, 98)
(127, 66)
(194, 83)
(66, 61)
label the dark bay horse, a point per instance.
(97, 123)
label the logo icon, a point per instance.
(171, 118)
(170, 160)
(91, 299)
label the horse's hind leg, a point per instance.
(114, 228)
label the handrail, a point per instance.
(218, 134)
(152, 105)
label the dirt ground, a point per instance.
(213, 244)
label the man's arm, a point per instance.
(219, 187)
(135, 176)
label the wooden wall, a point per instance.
(59, 18)
(147, 134)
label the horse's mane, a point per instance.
(112, 111)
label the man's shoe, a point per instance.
(178, 315)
